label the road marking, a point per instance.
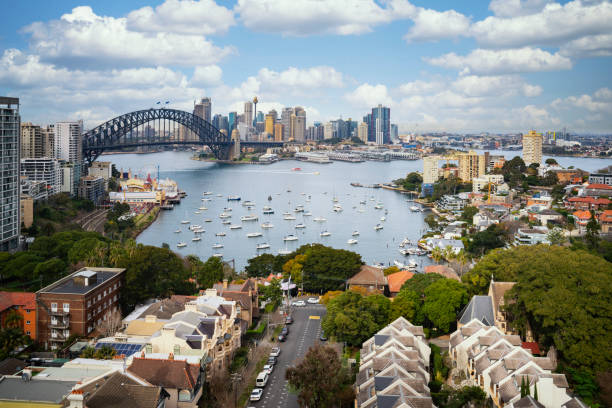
(314, 317)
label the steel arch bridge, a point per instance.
(117, 133)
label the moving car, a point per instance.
(313, 300)
(275, 352)
(256, 394)
(299, 303)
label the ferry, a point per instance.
(250, 217)
(233, 227)
(355, 233)
(217, 246)
(351, 241)
(300, 226)
(263, 246)
(267, 225)
(233, 198)
(290, 237)
(319, 219)
(181, 245)
(325, 234)
(196, 239)
(225, 215)
(254, 234)
(378, 227)
(220, 234)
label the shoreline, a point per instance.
(149, 219)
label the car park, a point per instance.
(313, 300)
(256, 394)
(275, 352)
(262, 379)
(299, 303)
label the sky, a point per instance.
(470, 66)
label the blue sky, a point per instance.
(503, 66)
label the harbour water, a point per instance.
(288, 189)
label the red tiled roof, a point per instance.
(606, 216)
(442, 270)
(583, 215)
(166, 373)
(599, 186)
(25, 299)
(590, 200)
(368, 275)
(397, 279)
(533, 346)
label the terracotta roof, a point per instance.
(606, 216)
(368, 275)
(25, 299)
(599, 186)
(533, 346)
(583, 215)
(120, 390)
(397, 279)
(590, 200)
(442, 270)
(176, 374)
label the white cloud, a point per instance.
(366, 96)
(206, 75)
(84, 38)
(182, 16)
(496, 85)
(481, 61)
(308, 17)
(432, 25)
(420, 87)
(514, 8)
(308, 78)
(590, 46)
(603, 94)
(555, 24)
(531, 90)
(600, 102)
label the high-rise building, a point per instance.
(362, 132)
(394, 132)
(278, 132)
(203, 109)
(9, 182)
(31, 141)
(367, 119)
(43, 169)
(286, 121)
(297, 123)
(269, 122)
(471, 165)
(431, 172)
(220, 122)
(232, 122)
(328, 131)
(260, 116)
(532, 148)
(381, 120)
(248, 113)
(48, 136)
(68, 147)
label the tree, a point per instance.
(271, 293)
(443, 300)
(592, 232)
(420, 282)
(13, 320)
(320, 380)
(293, 268)
(437, 254)
(210, 272)
(326, 268)
(555, 236)
(105, 353)
(462, 259)
(10, 339)
(390, 270)
(431, 221)
(406, 304)
(265, 264)
(328, 296)
(448, 397)
(111, 324)
(468, 214)
(551, 162)
(483, 241)
(88, 352)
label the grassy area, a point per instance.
(142, 221)
(247, 392)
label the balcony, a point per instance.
(59, 312)
(59, 324)
(59, 337)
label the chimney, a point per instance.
(75, 399)
(211, 292)
(168, 332)
(191, 307)
(150, 319)
(224, 283)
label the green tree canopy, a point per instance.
(406, 304)
(272, 293)
(443, 300)
(468, 214)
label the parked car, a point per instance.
(262, 379)
(299, 303)
(271, 360)
(323, 337)
(275, 351)
(289, 320)
(282, 337)
(268, 368)
(285, 330)
(313, 300)
(256, 394)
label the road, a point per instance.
(303, 333)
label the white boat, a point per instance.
(185, 222)
(219, 195)
(286, 213)
(197, 212)
(207, 219)
(335, 199)
(361, 210)
(355, 233)
(383, 218)
(300, 226)
(414, 208)
(319, 219)
(196, 239)
(378, 207)
(216, 246)
(199, 231)
(290, 237)
(351, 241)
(225, 215)
(227, 209)
(298, 209)
(220, 234)
(289, 218)
(206, 199)
(250, 217)
(263, 246)
(218, 255)
(226, 222)
(363, 202)
(307, 214)
(178, 231)
(325, 234)
(267, 225)
(195, 227)
(268, 210)
(337, 208)
(378, 227)
(248, 204)
(254, 234)
(234, 227)
(203, 208)
(207, 193)
(233, 198)
(410, 265)
(181, 245)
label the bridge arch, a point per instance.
(111, 134)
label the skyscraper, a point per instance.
(203, 109)
(532, 148)
(32, 145)
(270, 120)
(286, 121)
(394, 132)
(362, 132)
(381, 121)
(278, 132)
(260, 116)
(232, 122)
(471, 165)
(9, 182)
(248, 113)
(367, 119)
(68, 147)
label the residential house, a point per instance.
(27, 391)
(543, 216)
(396, 281)
(581, 219)
(451, 203)
(587, 203)
(479, 308)
(544, 201)
(393, 369)
(443, 270)
(484, 219)
(246, 295)
(77, 304)
(180, 380)
(605, 221)
(455, 245)
(531, 236)
(600, 178)
(24, 305)
(371, 278)
(598, 190)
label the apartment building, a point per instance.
(24, 305)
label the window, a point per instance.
(89, 303)
(184, 395)
(54, 307)
(104, 292)
(28, 332)
(99, 296)
(27, 322)
(66, 307)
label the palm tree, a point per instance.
(462, 259)
(437, 255)
(448, 254)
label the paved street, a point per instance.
(303, 333)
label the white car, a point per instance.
(299, 303)
(256, 394)
(275, 352)
(313, 300)
(269, 368)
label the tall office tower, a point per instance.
(278, 132)
(328, 131)
(532, 147)
(31, 141)
(260, 116)
(362, 132)
(248, 113)
(286, 121)
(471, 165)
(319, 131)
(367, 119)
(48, 136)
(232, 121)
(269, 126)
(351, 128)
(203, 109)
(381, 120)
(9, 182)
(394, 132)
(68, 147)
(220, 122)
(298, 128)
(340, 129)
(431, 172)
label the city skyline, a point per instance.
(498, 66)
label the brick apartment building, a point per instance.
(22, 303)
(77, 304)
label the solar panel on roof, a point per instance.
(126, 349)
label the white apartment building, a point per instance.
(362, 132)
(431, 172)
(43, 169)
(532, 148)
(482, 182)
(9, 172)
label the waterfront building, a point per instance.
(532, 148)
(22, 303)
(278, 132)
(362, 132)
(43, 169)
(92, 188)
(431, 171)
(286, 121)
(471, 165)
(77, 304)
(9, 183)
(203, 109)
